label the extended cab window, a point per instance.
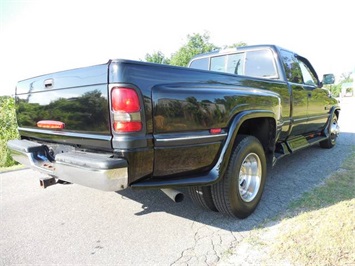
(232, 63)
(261, 64)
(257, 63)
(201, 63)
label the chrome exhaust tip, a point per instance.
(175, 195)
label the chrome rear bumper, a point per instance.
(94, 170)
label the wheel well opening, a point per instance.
(263, 128)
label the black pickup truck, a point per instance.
(213, 127)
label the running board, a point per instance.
(295, 144)
(301, 142)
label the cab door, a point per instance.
(298, 93)
(317, 98)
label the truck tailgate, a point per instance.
(70, 107)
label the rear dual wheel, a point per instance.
(238, 193)
(202, 197)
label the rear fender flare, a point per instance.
(237, 121)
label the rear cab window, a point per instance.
(261, 64)
(255, 63)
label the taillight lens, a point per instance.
(125, 100)
(126, 108)
(127, 126)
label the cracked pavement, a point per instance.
(70, 224)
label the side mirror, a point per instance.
(328, 79)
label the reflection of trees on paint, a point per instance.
(88, 112)
(191, 113)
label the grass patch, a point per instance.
(320, 237)
(319, 228)
(322, 229)
(339, 187)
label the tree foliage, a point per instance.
(8, 130)
(346, 77)
(335, 89)
(196, 44)
(157, 57)
(237, 44)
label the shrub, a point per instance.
(8, 130)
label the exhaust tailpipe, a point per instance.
(175, 195)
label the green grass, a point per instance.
(339, 187)
(319, 237)
(318, 228)
(321, 227)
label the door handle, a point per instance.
(48, 83)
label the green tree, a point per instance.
(335, 89)
(8, 130)
(346, 77)
(157, 57)
(237, 44)
(196, 44)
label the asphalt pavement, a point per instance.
(71, 224)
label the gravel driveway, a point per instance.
(70, 224)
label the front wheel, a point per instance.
(239, 191)
(333, 134)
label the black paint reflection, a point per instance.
(83, 111)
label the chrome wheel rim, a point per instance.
(250, 177)
(334, 130)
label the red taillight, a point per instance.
(125, 100)
(126, 108)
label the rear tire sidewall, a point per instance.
(202, 197)
(239, 207)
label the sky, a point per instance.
(39, 37)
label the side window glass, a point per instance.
(308, 77)
(201, 63)
(218, 63)
(232, 63)
(292, 68)
(260, 63)
(235, 64)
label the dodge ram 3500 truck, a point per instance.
(211, 128)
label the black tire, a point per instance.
(238, 195)
(202, 197)
(333, 134)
